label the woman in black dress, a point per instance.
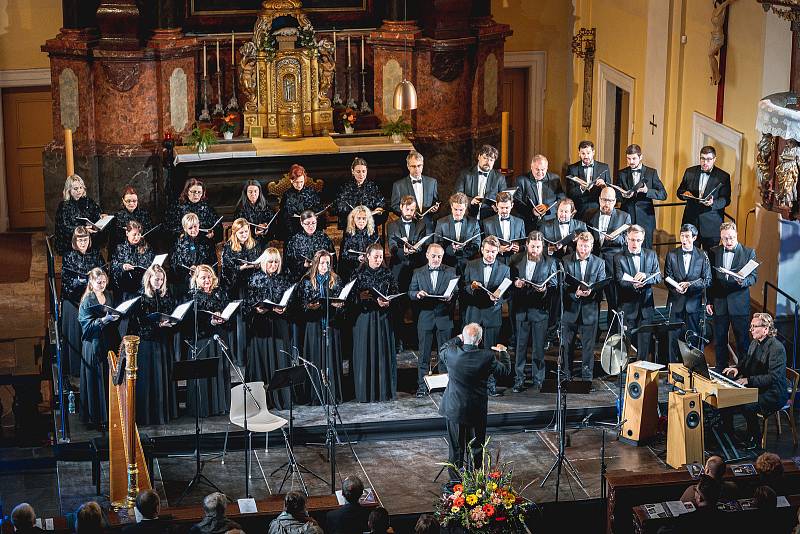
(253, 207)
(75, 267)
(359, 192)
(193, 200)
(156, 398)
(74, 206)
(99, 336)
(131, 258)
(359, 235)
(240, 248)
(190, 249)
(130, 212)
(301, 247)
(296, 200)
(374, 356)
(268, 329)
(215, 393)
(322, 283)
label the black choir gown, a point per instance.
(254, 215)
(268, 334)
(67, 220)
(293, 203)
(302, 246)
(359, 241)
(156, 393)
(374, 356)
(202, 209)
(128, 283)
(121, 220)
(215, 393)
(98, 339)
(313, 340)
(234, 281)
(74, 277)
(351, 195)
(186, 253)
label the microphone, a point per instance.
(219, 340)
(698, 336)
(307, 362)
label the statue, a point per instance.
(765, 148)
(247, 75)
(326, 67)
(786, 173)
(717, 37)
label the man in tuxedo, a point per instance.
(605, 221)
(402, 233)
(481, 278)
(707, 191)
(424, 189)
(642, 187)
(636, 271)
(689, 267)
(351, 517)
(730, 296)
(509, 229)
(530, 305)
(432, 314)
(589, 170)
(455, 229)
(148, 506)
(536, 192)
(481, 183)
(581, 304)
(464, 403)
(564, 225)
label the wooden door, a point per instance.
(515, 101)
(27, 128)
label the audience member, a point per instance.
(214, 520)
(770, 471)
(351, 517)
(23, 517)
(294, 519)
(148, 506)
(765, 498)
(715, 468)
(426, 524)
(89, 519)
(379, 521)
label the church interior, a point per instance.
(613, 423)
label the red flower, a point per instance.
(488, 509)
(458, 487)
(459, 501)
(495, 474)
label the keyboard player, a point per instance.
(762, 367)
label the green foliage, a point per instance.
(400, 126)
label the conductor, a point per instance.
(464, 403)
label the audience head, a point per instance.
(769, 468)
(586, 152)
(148, 504)
(313, 528)
(707, 158)
(378, 521)
(608, 198)
(23, 516)
(130, 199)
(565, 210)
(415, 163)
(81, 239)
(715, 467)
(352, 489)
(154, 281)
(426, 524)
(193, 191)
(707, 492)
(295, 504)
(214, 505)
(728, 235)
(251, 194)
(487, 155)
(272, 263)
(359, 170)
(472, 334)
(765, 497)
(408, 206)
(297, 175)
(74, 188)
(89, 519)
(539, 167)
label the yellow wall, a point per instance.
(24, 27)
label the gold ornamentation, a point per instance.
(786, 173)
(766, 146)
(583, 46)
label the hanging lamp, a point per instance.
(405, 94)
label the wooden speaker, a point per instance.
(684, 429)
(640, 411)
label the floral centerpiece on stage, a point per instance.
(349, 117)
(484, 501)
(229, 124)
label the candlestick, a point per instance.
(217, 56)
(233, 48)
(362, 52)
(334, 49)
(68, 154)
(348, 51)
(504, 140)
(204, 59)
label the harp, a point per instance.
(127, 466)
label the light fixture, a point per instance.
(405, 94)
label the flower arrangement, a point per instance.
(349, 117)
(484, 501)
(229, 123)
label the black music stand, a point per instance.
(196, 370)
(288, 377)
(656, 330)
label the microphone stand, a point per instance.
(245, 391)
(330, 432)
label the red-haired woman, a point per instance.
(296, 200)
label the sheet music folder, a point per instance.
(193, 369)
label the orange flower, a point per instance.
(458, 487)
(495, 474)
(488, 509)
(459, 501)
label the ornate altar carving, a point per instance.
(778, 120)
(286, 73)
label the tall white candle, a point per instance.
(233, 48)
(348, 50)
(362, 52)
(204, 59)
(217, 56)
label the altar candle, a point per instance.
(504, 140)
(334, 48)
(68, 154)
(233, 48)
(204, 59)
(362, 52)
(217, 56)
(348, 50)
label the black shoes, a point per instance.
(518, 388)
(492, 392)
(421, 392)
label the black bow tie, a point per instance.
(638, 171)
(407, 222)
(434, 269)
(586, 166)
(416, 181)
(687, 252)
(487, 264)
(485, 174)
(636, 254)
(505, 218)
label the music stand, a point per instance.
(196, 370)
(288, 377)
(656, 330)
(694, 361)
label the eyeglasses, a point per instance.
(608, 199)
(752, 326)
(708, 158)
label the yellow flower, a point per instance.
(455, 509)
(479, 492)
(472, 499)
(492, 486)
